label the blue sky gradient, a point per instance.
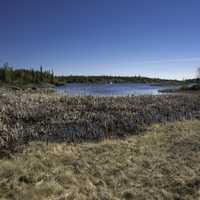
(155, 38)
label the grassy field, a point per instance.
(162, 163)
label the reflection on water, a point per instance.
(109, 89)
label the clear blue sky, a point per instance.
(156, 38)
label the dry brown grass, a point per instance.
(26, 116)
(161, 164)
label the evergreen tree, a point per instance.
(52, 77)
(7, 76)
(41, 73)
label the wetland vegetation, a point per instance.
(51, 117)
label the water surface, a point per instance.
(118, 89)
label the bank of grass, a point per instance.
(162, 163)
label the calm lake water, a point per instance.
(109, 89)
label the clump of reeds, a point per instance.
(26, 117)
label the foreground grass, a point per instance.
(161, 164)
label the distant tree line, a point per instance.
(25, 76)
(111, 79)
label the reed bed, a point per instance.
(51, 117)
